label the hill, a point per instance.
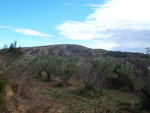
(70, 49)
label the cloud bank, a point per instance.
(115, 25)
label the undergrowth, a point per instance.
(3, 83)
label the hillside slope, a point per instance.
(70, 49)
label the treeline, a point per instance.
(102, 72)
(98, 72)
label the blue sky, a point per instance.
(122, 25)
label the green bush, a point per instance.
(2, 101)
(94, 72)
(112, 83)
(88, 77)
(11, 53)
(45, 64)
(3, 82)
(124, 78)
(145, 97)
(67, 67)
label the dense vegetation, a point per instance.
(96, 74)
(3, 83)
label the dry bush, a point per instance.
(21, 82)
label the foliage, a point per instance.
(141, 72)
(45, 64)
(38, 64)
(116, 54)
(145, 97)
(148, 55)
(24, 62)
(3, 83)
(126, 70)
(67, 67)
(89, 79)
(112, 82)
(124, 78)
(51, 67)
(103, 66)
(94, 72)
(12, 52)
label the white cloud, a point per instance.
(103, 45)
(5, 27)
(117, 22)
(47, 38)
(29, 41)
(30, 32)
(93, 5)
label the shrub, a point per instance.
(45, 64)
(38, 64)
(95, 71)
(11, 53)
(145, 97)
(20, 74)
(141, 72)
(67, 67)
(89, 79)
(24, 62)
(103, 67)
(112, 83)
(148, 55)
(3, 82)
(124, 78)
(2, 101)
(50, 67)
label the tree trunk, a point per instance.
(48, 76)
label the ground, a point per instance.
(72, 99)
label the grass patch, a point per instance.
(77, 101)
(74, 100)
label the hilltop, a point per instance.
(71, 49)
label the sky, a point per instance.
(118, 25)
